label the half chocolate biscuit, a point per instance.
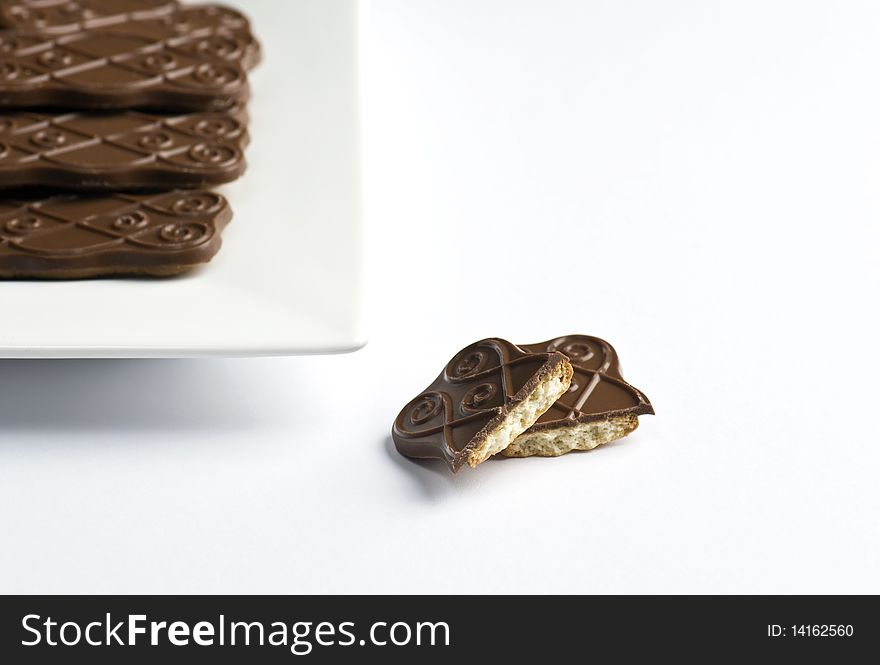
(598, 407)
(486, 396)
(81, 236)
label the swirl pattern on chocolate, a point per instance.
(221, 32)
(59, 16)
(131, 221)
(108, 69)
(70, 15)
(197, 203)
(120, 150)
(92, 235)
(473, 393)
(21, 226)
(183, 234)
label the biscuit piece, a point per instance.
(487, 395)
(599, 406)
(80, 236)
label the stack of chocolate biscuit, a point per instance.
(115, 118)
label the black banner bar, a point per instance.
(279, 629)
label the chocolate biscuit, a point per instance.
(82, 236)
(104, 69)
(221, 31)
(60, 16)
(120, 150)
(599, 406)
(486, 396)
(215, 24)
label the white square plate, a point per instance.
(287, 280)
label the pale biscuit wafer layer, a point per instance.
(580, 436)
(549, 389)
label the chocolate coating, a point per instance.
(223, 30)
(69, 237)
(470, 397)
(59, 16)
(106, 69)
(597, 391)
(120, 150)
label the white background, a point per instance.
(697, 182)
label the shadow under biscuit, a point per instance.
(432, 478)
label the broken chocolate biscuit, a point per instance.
(120, 150)
(486, 396)
(599, 406)
(83, 236)
(104, 69)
